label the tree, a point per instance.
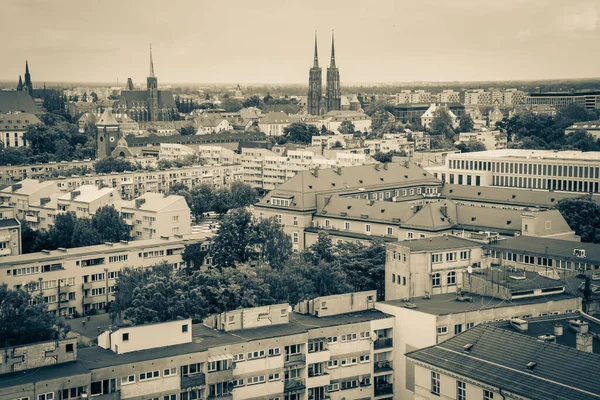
(61, 234)
(234, 243)
(389, 156)
(110, 164)
(583, 216)
(321, 251)
(187, 130)
(275, 246)
(181, 189)
(202, 199)
(83, 234)
(441, 124)
(253, 101)
(465, 124)
(364, 265)
(346, 128)
(242, 194)
(194, 255)
(24, 318)
(471, 147)
(299, 132)
(109, 225)
(231, 105)
(581, 140)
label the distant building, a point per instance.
(10, 233)
(150, 104)
(13, 126)
(273, 123)
(86, 200)
(589, 99)
(317, 104)
(591, 127)
(212, 124)
(29, 191)
(429, 115)
(18, 101)
(492, 140)
(494, 116)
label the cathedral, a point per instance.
(147, 105)
(317, 104)
(27, 86)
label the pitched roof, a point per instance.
(278, 117)
(158, 202)
(306, 185)
(13, 101)
(107, 118)
(165, 98)
(18, 121)
(499, 357)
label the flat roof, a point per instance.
(530, 155)
(546, 247)
(517, 281)
(438, 243)
(31, 376)
(445, 304)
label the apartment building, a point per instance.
(86, 200)
(82, 279)
(13, 126)
(28, 191)
(492, 140)
(423, 213)
(589, 99)
(273, 123)
(488, 363)
(295, 202)
(217, 155)
(571, 171)
(10, 233)
(41, 214)
(426, 321)
(154, 215)
(267, 352)
(16, 173)
(447, 96)
(408, 96)
(400, 144)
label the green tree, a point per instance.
(234, 242)
(194, 255)
(290, 284)
(242, 194)
(109, 225)
(84, 234)
(581, 140)
(181, 189)
(110, 164)
(252, 101)
(364, 265)
(187, 130)
(299, 132)
(231, 105)
(321, 251)
(61, 234)
(471, 147)
(347, 128)
(24, 318)
(203, 197)
(441, 124)
(274, 245)
(466, 124)
(583, 216)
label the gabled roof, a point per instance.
(87, 194)
(158, 202)
(306, 185)
(275, 118)
(499, 358)
(18, 121)
(13, 101)
(107, 119)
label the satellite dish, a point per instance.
(470, 270)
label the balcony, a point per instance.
(320, 380)
(5, 252)
(222, 396)
(32, 218)
(294, 385)
(383, 366)
(383, 343)
(109, 396)
(294, 359)
(193, 381)
(382, 389)
(225, 375)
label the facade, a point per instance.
(332, 101)
(13, 126)
(15, 173)
(150, 104)
(589, 100)
(429, 114)
(334, 119)
(315, 86)
(212, 124)
(492, 140)
(29, 191)
(75, 281)
(571, 171)
(591, 127)
(526, 368)
(276, 354)
(333, 91)
(10, 233)
(154, 215)
(108, 134)
(273, 123)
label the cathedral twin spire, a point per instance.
(316, 60)
(317, 105)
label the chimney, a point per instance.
(558, 330)
(584, 342)
(579, 326)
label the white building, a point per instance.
(427, 117)
(154, 215)
(28, 191)
(273, 123)
(86, 200)
(492, 140)
(334, 119)
(13, 126)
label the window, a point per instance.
(461, 390)
(144, 376)
(295, 237)
(125, 337)
(364, 358)
(253, 380)
(368, 228)
(365, 335)
(46, 396)
(231, 319)
(435, 382)
(255, 354)
(451, 279)
(347, 226)
(442, 330)
(295, 221)
(327, 223)
(170, 397)
(237, 382)
(332, 364)
(458, 329)
(238, 357)
(470, 325)
(487, 395)
(334, 387)
(274, 352)
(274, 376)
(127, 380)
(436, 258)
(409, 235)
(184, 328)
(349, 337)
(191, 369)
(390, 230)
(464, 255)
(175, 218)
(435, 280)
(170, 372)
(332, 339)
(450, 257)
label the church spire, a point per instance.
(151, 63)
(316, 63)
(20, 85)
(26, 68)
(332, 51)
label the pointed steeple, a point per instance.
(26, 67)
(316, 63)
(332, 51)
(20, 85)
(151, 62)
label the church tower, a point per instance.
(152, 85)
(333, 90)
(28, 87)
(20, 85)
(315, 85)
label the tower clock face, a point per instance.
(112, 139)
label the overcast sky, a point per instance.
(271, 41)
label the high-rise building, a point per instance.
(315, 85)
(333, 90)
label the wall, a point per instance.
(151, 336)
(36, 355)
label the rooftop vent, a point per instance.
(16, 187)
(519, 324)
(124, 242)
(517, 277)
(62, 249)
(547, 338)
(531, 365)
(110, 244)
(75, 193)
(410, 305)
(467, 347)
(139, 202)
(580, 253)
(579, 326)
(46, 251)
(364, 216)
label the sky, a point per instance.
(271, 41)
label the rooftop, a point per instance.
(446, 304)
(521, 154)
(87, 193)
(517, 280)
(18, 121)
(500, 358)
(58, 371)
(157, 202)
(562, 249)
(29, 186)
(541, 326)
(11, 101)
(438, 243)
(589, 125)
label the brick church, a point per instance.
(317, 103)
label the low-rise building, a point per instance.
(210, 124)
(13, 126)
(273, 123)
(492, 140)
(15, 173)
(10, 233)
(154, 215)
(77, 280)
(430, 113)
(28, 191)
(334, 119)
(488, 362)
(591, 127)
